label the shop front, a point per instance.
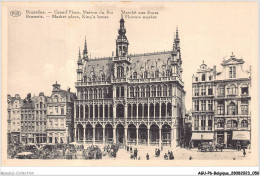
(241, 139)
(198, 138)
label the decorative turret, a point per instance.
(85, 51)
(176, 55)
(80, 67)
(122, 42)
(56, 86)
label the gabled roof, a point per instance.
(232, 61)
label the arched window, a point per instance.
(56, 99)
(167, 73)
(135, 75)
(84, 79)
(86, 95)
(122, 91)
(203, 77)
(140, 110)
(134, 110)
(131, 92)
(100, 93)
(151, 110)
(90, 94)
(142, 91)
(95, 93)
(153, 91)
(244, 123)
(120, 72)
(145, 74)
(159, 93)
(120, 111)
(147, 91)
(103, 77)
(117, 91)
(129, 114)
(157, 74)
(165, 90)
(136, 91)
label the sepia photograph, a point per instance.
(129, 84)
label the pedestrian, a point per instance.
(190, 158)
(221, 147)
(244, 152)
(165, 156)
(147, 156)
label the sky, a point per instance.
(43, 51)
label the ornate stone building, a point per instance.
(131, 99)
(33, 119)
(27, 119)
(14, 118)
(221, 104)
(60, 115)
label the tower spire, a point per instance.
(79, 53)
(122, 42)
(85, 51)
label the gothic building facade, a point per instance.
(131, 99)
(221, 104)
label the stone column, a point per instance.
(103, 111)
(94, 115)
(148, 113)
(125, 113)
(131, 111)
(84, 111)
(114, 135)
(148, 136)
(94, 135)
(172, 138)
(225, 139)
(160, 110)
(75, 134)
(79, 112)
(98, 112)
(125, 135)
(78, 135)
(88, 112)
(114, 112)
(137, 137)
(142, 111)
(84, 134)
(160, 137)
(104, 137)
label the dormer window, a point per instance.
(93, 78)
(145, 74)
(203, 77)
(157, 74)
(167, 73)
(103, 77)
(232, 72)
(135, 75)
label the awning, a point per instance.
(241, 135)
(202, 136)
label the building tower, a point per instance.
(122, 42)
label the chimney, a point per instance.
(17, 96)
